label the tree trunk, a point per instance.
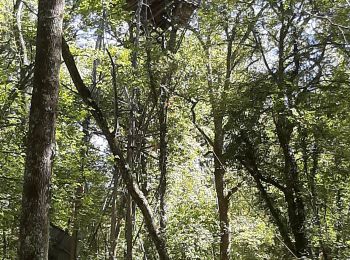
(117, 201)
(293, 197)
(163, 110)
(75, 234)
(34, 225)
(128, 227)
(79, 192)
(223, 201)
(18, 34)
(118, 204)
(131, 164)
(24, 68)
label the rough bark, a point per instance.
(34, 225)
(116, 150)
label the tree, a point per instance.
(219, 78)
(34, 227)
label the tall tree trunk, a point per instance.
(79, 192)
(34, 225)
(131, 137)
(223, 201)
(112, 236)
(131, 164)
(117, 201)
(284, 128)
(163, 131)
(218, 110)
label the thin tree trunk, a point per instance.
(117, 211)
(118, 204)
(249, 161)
(24, 68)
(112, 238)
(218, 110)
(163, 132)
(163, 147)
(34, 225)
(223, 201)
(18, 34)
(75, 235)
(79, 193)
(131, 138)
(131, 164)
(128, 227)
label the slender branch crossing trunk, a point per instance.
(116, 150)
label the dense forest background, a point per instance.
(187, 131)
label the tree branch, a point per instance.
(116, 150)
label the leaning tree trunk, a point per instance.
(118, 154)
(34, 226)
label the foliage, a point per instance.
(289, 64)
